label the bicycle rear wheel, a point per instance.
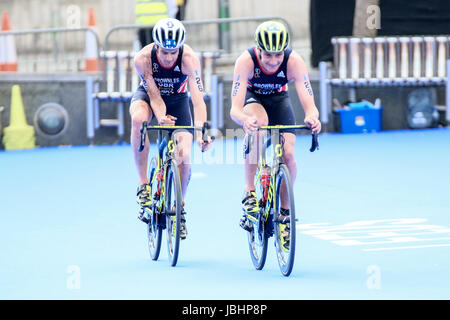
(155, 225)
(172, 203)
(284, 224)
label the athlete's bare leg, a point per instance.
(251, 161)
(183, 157)
(140, 112)
(289, 160)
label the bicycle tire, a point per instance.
(257, 237)
(172, 205)
(258, 246)
(285, 257)
(154, 227)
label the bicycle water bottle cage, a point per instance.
(265, 183)
(159, 178)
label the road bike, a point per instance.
(164, 179)
(274, 189)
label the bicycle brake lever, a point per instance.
(314, 142)
(206, 126)
(143, 134)
(247, 142)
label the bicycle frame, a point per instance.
(169, 142)
(163, 162)
(276, 139)
(166, 190)
(277, 160)
(269, 218)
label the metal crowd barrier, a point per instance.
(57, 54)
(385, 61)
(52, 50)
(391, 59)
(119, 83)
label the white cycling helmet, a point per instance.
(169, 33)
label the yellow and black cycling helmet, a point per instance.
(272, 36)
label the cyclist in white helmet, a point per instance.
(167, 68)
(260, 97)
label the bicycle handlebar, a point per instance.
(146, 127)
(282, 128)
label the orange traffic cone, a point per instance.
(91, 52)
(9, 47)
(2, 53)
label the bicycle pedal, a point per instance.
(246, 225)
(141, 216)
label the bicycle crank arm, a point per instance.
(283, 220)
(170, 212)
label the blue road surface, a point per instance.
(373, 209)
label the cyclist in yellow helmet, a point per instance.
(260, 97)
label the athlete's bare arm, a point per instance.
(191, 67)
(143, 65)
(243, 71)
(297, 72)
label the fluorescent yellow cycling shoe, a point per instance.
(144, 198)
(285, 229)
(250, 205)
(284, 232)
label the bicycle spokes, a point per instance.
(284, 221)
(154, 225)
(257, 240)
(173, 211)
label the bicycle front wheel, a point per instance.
(284, 220)
(257, 243)
(258, 235)
(155, 225)
(173, 199)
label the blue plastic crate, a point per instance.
(360, 120)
